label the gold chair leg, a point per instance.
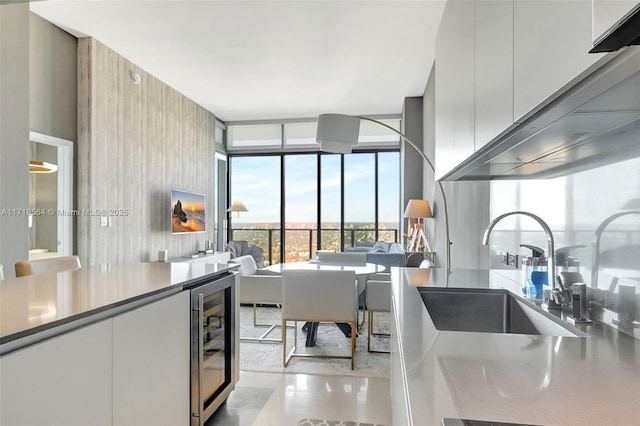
(284, 342)
(369, 330)
(353, 343)
(263, 338)
(286, 357)
(255, 323)
(372, 333)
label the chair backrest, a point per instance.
(1, 273)
(42, 266)
(343, 258)
(315, 295)
(379, 295)
(247, 264)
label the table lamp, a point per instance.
(237, 207)
(418, 209)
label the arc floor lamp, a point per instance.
(338, 133)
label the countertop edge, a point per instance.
(44, 332)
(40, 333)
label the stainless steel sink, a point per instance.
(491, 311)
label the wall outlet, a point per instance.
(509, 259)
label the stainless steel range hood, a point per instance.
(596, 122)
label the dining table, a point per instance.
(361, 269)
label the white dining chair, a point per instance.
(343, 258)
(351, 259)
(258, 287)
(378, 300)
(318, 296)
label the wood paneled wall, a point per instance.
(136, 142)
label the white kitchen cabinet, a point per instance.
(493, 69)
(151, 364)
(400, 413)
(606, 13)
(551, 44)
(65, 380)
(454, 86)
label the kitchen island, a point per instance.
(102, 345)
(541, 380)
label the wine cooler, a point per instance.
(212, 346)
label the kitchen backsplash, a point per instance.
(598, 211)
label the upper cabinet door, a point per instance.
(455, 86)
(551, 44)
(606, 13)
(493, 69)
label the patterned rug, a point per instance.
(321, 422)
(267, 357)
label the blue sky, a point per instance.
(255, 181)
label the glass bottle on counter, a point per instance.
(534, 274)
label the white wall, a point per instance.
(410, 160)
(468, 204)
(53, 80)
(14, 133)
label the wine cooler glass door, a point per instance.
(212, 346)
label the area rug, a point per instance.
(267, 357)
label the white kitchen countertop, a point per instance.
(542, 380)
(34, 304)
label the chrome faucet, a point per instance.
(558, 295)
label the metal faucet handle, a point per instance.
(559, 294)
(535, 250)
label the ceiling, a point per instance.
(259, 60)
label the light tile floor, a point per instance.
(271, 399)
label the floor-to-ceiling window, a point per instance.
(300, 200)
(388, 196)
(359, 198)
(255, 182)
(330, 202)
(300, 206)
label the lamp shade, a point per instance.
(337, 133)
(418, 209)
(237, 207)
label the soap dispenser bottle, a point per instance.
(534, 273)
